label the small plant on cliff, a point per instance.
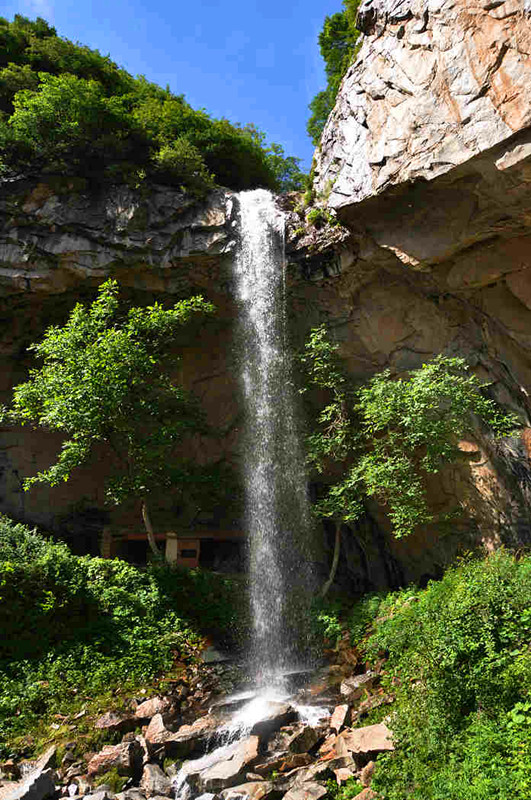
(105, 380)
(384, 438)
(338, 45)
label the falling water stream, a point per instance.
(277, 507)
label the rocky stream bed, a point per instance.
(197, 743)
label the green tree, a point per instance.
(383, 439)
(105, 379)
(338, 46)
(71, 110)
(70, 126)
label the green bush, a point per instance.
(73, 626)
(182, 163)
(459, 661)
(71, 111)
(338, 45)
(68, 125)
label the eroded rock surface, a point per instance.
(55, 236)
(436, 83)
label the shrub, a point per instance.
(69, 126)
(182, 163)
(75, 112)
(73, 626)
(459, 661)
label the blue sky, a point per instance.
(248, 61)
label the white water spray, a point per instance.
(277, 508)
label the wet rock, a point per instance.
(278, 714)
(112, 721)
(304, 740)
(340, 718)
(231, 771)
(155, 782)
(370, 739)
(155, 705)
(38, 785)
(309, 791)
(190, 738)
(256, 790)
(126, 758)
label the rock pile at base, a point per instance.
(280, 756)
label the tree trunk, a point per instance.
(335, 561)
(149, 529)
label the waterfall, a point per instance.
(277, 507)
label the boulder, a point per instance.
(231, 771)
(304, 740)
(366, 773)
(340, 718)
(130, 794)
(256, 790)
(370, 739)
(126, 758)
(353, 688)
(191, 738)
(155, 782)
(343, 774)
(102, 793)
(283, 763)
(183, 742)
(322, 770)
(38, 785)
(156, 733)
(155, 705)
(112, 721)
(366, 794)
(308, 791)
(278, 714)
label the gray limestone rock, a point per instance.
(307, 791)
(432, 86)
(231, 771)
(155, 782)
(38, 785)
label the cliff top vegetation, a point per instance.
(68, 110)
(338, 43)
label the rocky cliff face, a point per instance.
(427, 162)
(57, 244)
(426, 159)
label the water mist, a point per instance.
(277, 515)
